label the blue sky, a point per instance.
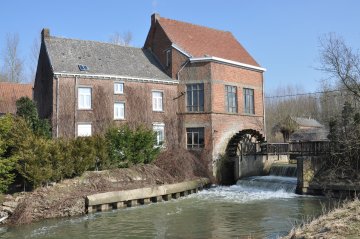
(282, 35)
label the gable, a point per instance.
(199, 41)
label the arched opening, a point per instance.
(244, 142)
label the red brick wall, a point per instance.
(138, 106)
(158, 42)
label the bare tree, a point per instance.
(34, 56)
(13, 65)
(288, 101)
(122, 39)
(341, 62)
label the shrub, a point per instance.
(7, 161)
(82, 155)
(26, 108)
(128, 147)
(102, 158)
(32, 154)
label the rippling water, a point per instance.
(237, 211)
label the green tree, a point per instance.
(128, 147)
(7, 161)
(32, 153)
(344, 137)
(26, 108)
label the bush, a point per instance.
(7, 161)
(26, 109)
(32, 153)
(128, 147)
(344, 160)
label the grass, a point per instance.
(341, 222)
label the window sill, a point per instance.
(119, 119)
(159, 111)
(195, 149)
(118, 93)
(90, 109)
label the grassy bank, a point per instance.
(341, 222)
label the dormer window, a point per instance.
(168, 57)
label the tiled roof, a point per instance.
(307, 122)
(102, 59)
(10, 93)
(200, 41)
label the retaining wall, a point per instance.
(141, 196)
(255, 165)
(308, 167)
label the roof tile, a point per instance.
(200, 41)
(10, 93)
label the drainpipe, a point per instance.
(75, 108)
(183, 66)
(263, 98)
(57, 106)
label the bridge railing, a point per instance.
(296, 148)
(309, 148)
(275, 148)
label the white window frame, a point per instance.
(83, 104)
(119, 116)
(157, 102)
(82, 131)
(120, 90)
(159, 127)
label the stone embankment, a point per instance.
(141, 196)
(69, 197)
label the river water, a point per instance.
(258, 207)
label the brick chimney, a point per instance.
(45, 33)
(154, 18)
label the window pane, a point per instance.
(119, 111)
(195, 97)
(84, 130)
(84, 98)
(157, 99)
(189, 140)
(195, 137)
(249, 101)
(118, 88)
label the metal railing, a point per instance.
(296, 148)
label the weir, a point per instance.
(282, 177)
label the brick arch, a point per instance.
(232, 146)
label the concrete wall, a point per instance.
(255, 165)
(129, 198)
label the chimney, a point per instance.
(45, 33)
(154, 18)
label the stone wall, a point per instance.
(256, 165)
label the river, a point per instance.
(259, 207)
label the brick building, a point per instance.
(196, 85)
(10, 93)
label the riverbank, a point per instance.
(341, 222)
(67, 198)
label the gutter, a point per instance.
(230, 62)
(139, 79)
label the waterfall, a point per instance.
(269, 183)
(285, 170)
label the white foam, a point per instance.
(239, 194)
